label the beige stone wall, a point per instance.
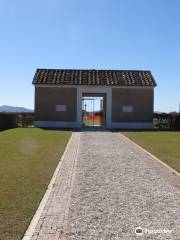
(141, 100)
(46, 99)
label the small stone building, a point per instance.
(112, 99)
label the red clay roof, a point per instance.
(94, 77)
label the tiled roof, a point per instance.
(94, 77)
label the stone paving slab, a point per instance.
(107, 187)
(52, 221)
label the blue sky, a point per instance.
(103, 34)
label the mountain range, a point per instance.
(6, 108)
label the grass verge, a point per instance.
(28, 158)
(164, 145)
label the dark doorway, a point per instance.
(93, 110)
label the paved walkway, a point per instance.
(104, 188)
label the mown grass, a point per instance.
(28, 158)
(164, 145)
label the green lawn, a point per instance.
(28, 158)
(164, 145)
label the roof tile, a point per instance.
(94, 77)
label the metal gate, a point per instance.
(93, 112)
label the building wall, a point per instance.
(46, 99)
(141, 101)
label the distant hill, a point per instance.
(6, 108)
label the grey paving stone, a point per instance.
(111, 188)
(117, 188)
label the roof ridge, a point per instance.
(89, 69)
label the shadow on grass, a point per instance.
(143, 130)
